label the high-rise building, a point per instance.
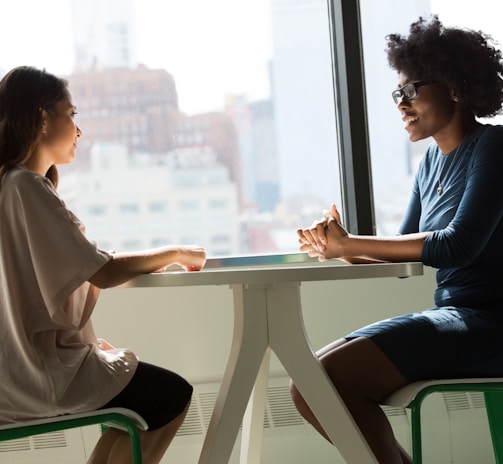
(137, 202)
(211, 130)
(255, 128)
(135, 107)
(302, 90)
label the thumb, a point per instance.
(335, 214)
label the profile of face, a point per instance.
(58, 141)
(427, 108)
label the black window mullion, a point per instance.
(351, 116)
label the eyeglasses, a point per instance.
(409, 91)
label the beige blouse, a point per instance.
(50, 362)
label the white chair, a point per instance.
(411, 396)
(119, 418)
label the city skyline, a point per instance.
(299, 167)
(245, 40)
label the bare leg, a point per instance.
(363, 376)
(114, 446)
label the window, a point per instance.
(97, 210)
(157, 207)
(233, 108)
(128, 208)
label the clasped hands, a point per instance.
(325, 238)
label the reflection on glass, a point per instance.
(206, 122)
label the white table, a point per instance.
(268, 316)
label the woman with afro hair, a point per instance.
(447, 78)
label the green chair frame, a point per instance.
(119, 418)
(412, 397)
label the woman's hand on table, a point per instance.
(192, 258)
(325, 236)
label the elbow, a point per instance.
(105, 277)
(111, 275)
(100, 282)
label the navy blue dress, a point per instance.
(463, 335)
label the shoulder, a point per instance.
(23, 176)
(487, 143)
(20, 186)
(493, 128)
(489, 133)
(22, 179)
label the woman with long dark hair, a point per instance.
(51, 361)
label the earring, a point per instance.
(456, 98)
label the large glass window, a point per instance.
(207, 122)
(215, 123)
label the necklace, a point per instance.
(440, 188)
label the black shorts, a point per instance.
(157, 394)
(441, 343)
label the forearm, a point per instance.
(125, 266)
(356, 260)
(391, 249)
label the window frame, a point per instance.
(351, 116)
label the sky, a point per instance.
(207, 53)
(482, 15)
(210, 47)
(28, 29)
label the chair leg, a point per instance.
(415, 419)
(494, 409)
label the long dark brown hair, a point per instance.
(24, 92)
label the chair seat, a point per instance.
(120, 418)
(411, 396)
(405, 395)
(132, 415)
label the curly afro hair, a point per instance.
(464, 60)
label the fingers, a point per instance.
(313, 240)
(193, 268)
(193, 259)
(316, 234)
(311, 251)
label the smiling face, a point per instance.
(432, 113)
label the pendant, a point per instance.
(439, 190)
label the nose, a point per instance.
(404, 101)
(79, 132)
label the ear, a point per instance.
(454, 96)
(44, 120)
